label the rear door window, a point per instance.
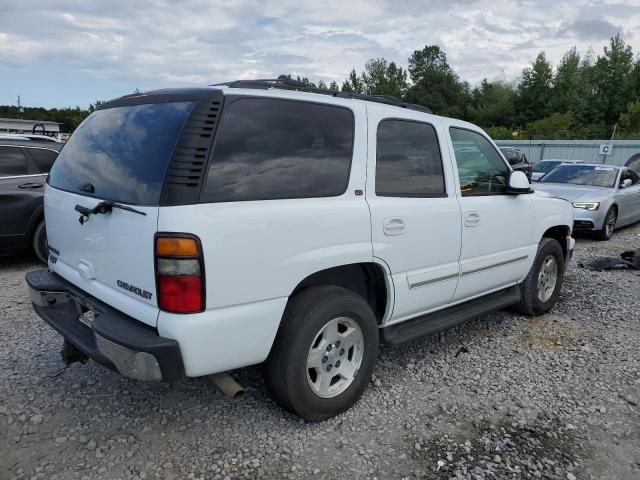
(43, 158)
(408, 160)
(269, 149)
(122, 153)
(12, 162)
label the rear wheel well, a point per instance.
(38, 220)
(559, 233)
(364, 279)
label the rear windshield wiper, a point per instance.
(103, 207)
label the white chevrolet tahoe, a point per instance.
(195, 231)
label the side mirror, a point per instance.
(626, 183)
(518, 183)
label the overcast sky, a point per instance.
(73, 52)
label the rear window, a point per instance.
(12, 162)
(121, 153)
(545, 167)
(43, 158)
(273, 149)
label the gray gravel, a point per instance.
(500, 397)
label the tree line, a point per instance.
(585, 96)
(68, 117)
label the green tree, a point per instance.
(629, 122)
(492, 104)
(568, 92)
(499, 133)
(534, 91)
(556, 125)
(334, 86)
(613, 81)
(94, 106)
(353, 83)
(435, 84)
(383, 78)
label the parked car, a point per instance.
(28, 136)
(541, 168)
(24, 165)
(634, 163)
(517, 159)
(203, 230)
(604, 197)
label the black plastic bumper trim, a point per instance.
(109, 323)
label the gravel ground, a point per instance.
(500, 397)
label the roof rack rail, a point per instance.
(290, 84)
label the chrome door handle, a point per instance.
(394, 226)
(472, 219)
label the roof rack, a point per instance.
(290, 84)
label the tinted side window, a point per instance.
(43, 158)
(629, 175)
(269, 149)
(480, 168)
(12, 162)
(408, 160)
(512, 157)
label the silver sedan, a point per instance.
(604, 197)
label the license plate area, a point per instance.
(87, 316)
(86, 312)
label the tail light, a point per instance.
(179, 273)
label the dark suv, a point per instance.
(24, 165)
(518, 160)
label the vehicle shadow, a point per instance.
(18, 261)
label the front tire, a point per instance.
(324, 354)
(540, 290)
(606, 232)
(39, 243)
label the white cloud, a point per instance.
(158, 43)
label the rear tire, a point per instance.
(606, 232)
(324, 354)
(39, 243)
(540, 290)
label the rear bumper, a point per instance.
(111, 338)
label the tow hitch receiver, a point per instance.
(70, 354)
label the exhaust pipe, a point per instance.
(227, 385)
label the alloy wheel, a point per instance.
(334, 357)
(547, 278)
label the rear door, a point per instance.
(120, 155)
(20, 187)
(415, 214)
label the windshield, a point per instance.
(121, 153)
(545, 167)
(582, 175)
